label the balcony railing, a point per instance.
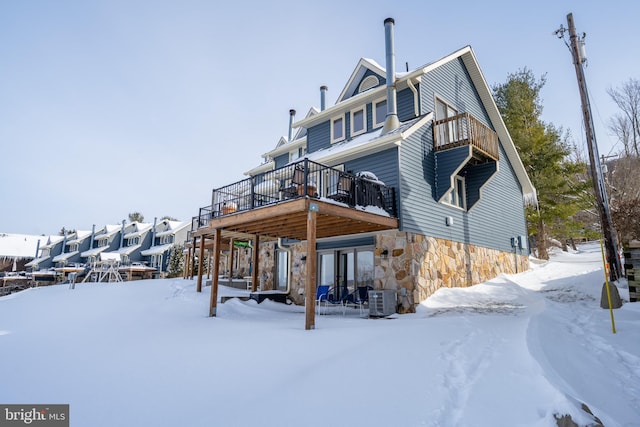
(465, 129)
(296, 180)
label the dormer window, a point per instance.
(358, 121)
(379, 112)
(337, 129)
(368, 83)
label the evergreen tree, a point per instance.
(136, 217)
(176, 261)
(545, 154)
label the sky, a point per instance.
(110, 106)
(518, 350)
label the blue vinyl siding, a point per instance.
(446, 163)
(383, 164)
(281, 160)
(319, 137)
(405, 106)
(497, 216)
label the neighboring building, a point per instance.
(134, 238)
(74, 244)
(16, 250)
(105, 239)
(413, 181)
(166, 234)
(47, 252)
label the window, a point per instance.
(296, 154)
(346, 269)
(368, 83)
(447, 132)
(457, 196)
(73, 247)
(282, 269)
(358, 122)
(379, 112)
(166, 239)
(337, 129)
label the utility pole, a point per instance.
(602, 201)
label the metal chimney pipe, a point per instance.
(122, 235)
(391, 122)
(153, 232)
(64, 241)
(37, 248)
(292, 114)
(323, 97)
(93, 233)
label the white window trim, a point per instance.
(457, 181)
(377, 123)
(364, 121)
(342, 138)
(368, 82)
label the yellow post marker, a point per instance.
(606, 283)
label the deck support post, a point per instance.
(185, 270)
(200, 264)
(310, 282)
(193, 259)
(230, 261)
(214, 275)
(255, 256)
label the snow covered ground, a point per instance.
(510, 352)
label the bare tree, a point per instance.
(626, 125)
(623, 186)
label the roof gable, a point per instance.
(365, 69)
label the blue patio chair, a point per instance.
(322, 296)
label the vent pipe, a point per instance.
(153, 232)
(323, 97)
(292, 114)
(93, 234)
(37, 248)
(64, 241)
(122, 235)
(391, 122)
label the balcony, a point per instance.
(463, 130)
(301, 180)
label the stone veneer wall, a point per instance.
(422, 264)
(417, 263)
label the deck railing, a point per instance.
(465, 129)
(301, 179)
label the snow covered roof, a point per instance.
(108, 231)
(157, 250)
(370, 142)
(51, 242)
(36, 261)
(64, 257)
(174, 227)
(139, 228)
(79, 237)
(94, 251)
(19, 245)
(109, 256)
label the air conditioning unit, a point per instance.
(382, 303)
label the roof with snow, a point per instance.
(20, 246)
(157, 250)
